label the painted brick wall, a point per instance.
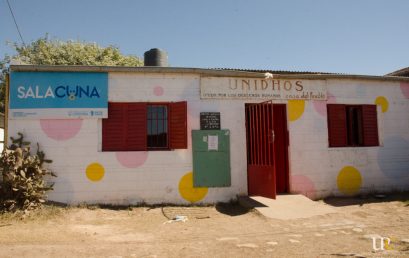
(134, 177)
(85, 174)
(318, 171)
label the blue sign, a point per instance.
(58, 94)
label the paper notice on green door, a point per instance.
(213, 142)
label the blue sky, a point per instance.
(348, 36)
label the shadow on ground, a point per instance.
(361, 200)
(231, 209)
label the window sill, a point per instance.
(353, 147)
(149, 150)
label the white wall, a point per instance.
(155, 180)
(316, 168)
(155, 176)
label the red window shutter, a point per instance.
(136, 137)
(337, 125)
(370, 125)
(178, 125)
(125, 127)
(113, 127)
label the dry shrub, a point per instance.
(24, 186)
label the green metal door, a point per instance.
(211, 158)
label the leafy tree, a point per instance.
(44, 51)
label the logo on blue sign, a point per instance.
(69, 92)
(48, 90)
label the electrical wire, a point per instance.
(15, 22)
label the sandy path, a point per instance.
(221, 231)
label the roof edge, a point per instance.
(201, 71)
(400, 72)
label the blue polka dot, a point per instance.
(393, 158)
(360, 92)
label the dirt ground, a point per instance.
(224, 230)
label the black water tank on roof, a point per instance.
(155, 57)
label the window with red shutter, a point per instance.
(352, 125)
(158, 126)
(370, 125)
(136, 139)
(145, 126)
(178, 125)
(337, 126)
(125, 127)
(113, 127)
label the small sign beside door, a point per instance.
(209, 120)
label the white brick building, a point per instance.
(347, 134)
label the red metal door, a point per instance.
(281, 142)
(260, 149)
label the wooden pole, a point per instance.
(6, 111)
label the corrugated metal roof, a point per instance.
(402, 72)
(216, 72)
(272, 71)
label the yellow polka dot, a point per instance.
(387, 244)
(188, 191)
(295, 109)
(383, 102)
(95, 172)
(349, 180)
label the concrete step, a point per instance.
(288, 206)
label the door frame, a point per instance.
(284, 147)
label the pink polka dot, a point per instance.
(132, 159)
(303, 185)
(321, 106)
(404, 87)
(158, 91)
(61, 129)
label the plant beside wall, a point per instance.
(24, 186)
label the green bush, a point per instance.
(24, 186)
